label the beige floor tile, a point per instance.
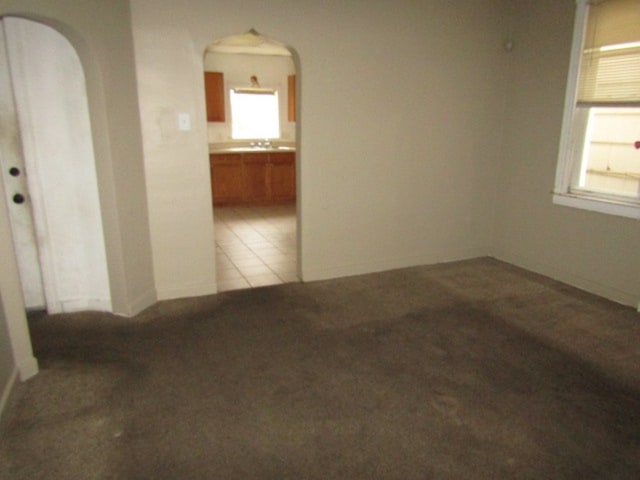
(288, 277)
(228, 274)
(248, 262)
(254, 270)
(236, 247)
(222, 261)
(250, 240)
(283, 267)
(238, 284)
(265, 250)
(271, 258)
(264, 280)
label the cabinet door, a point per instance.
(214, 95)
(291, 103)
(256, 173)
(283, 177)
(226, 179)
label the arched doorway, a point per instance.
(250, 83)
(48, 171)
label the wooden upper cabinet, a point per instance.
(214, 94)
(291, 85)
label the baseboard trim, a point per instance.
(143, 301)
(195, 290)
(381, 265)
(27, 368)
(7, 390)
(580, 282)
(83, 304)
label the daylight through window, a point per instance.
(599, 164)
(254, 115)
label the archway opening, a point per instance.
(54, 210)
(250, 83)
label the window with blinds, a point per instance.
(599, 163)
(610, 66)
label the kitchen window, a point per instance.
(599, 159)
(254, 113)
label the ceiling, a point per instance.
(251, 43)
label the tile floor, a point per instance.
(255, 246)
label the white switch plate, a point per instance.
(184, 121)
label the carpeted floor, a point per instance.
(468, 370)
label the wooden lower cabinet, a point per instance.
(226, 179)
(283, 177)
(250, 178)
(256, 178)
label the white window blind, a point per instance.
(610, 66)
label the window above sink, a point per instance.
(254, 114)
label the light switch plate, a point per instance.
(184, 121)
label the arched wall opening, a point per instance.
(251, 86)
(115, 133)
(48, 167)
(108, 63)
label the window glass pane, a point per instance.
(610, 160)
(254, 115)
(599, 158)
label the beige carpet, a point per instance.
(469, 370)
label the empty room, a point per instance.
(439, 275)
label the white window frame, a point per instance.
(572, 140)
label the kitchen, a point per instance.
(251, 116)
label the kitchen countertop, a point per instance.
(230, 148)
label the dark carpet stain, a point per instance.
(422, 373)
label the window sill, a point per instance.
(609, 207)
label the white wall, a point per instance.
(594, 251)
(401, 105)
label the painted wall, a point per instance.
(594, 251)
(400, 109)
(405, 140)
(102, 36)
